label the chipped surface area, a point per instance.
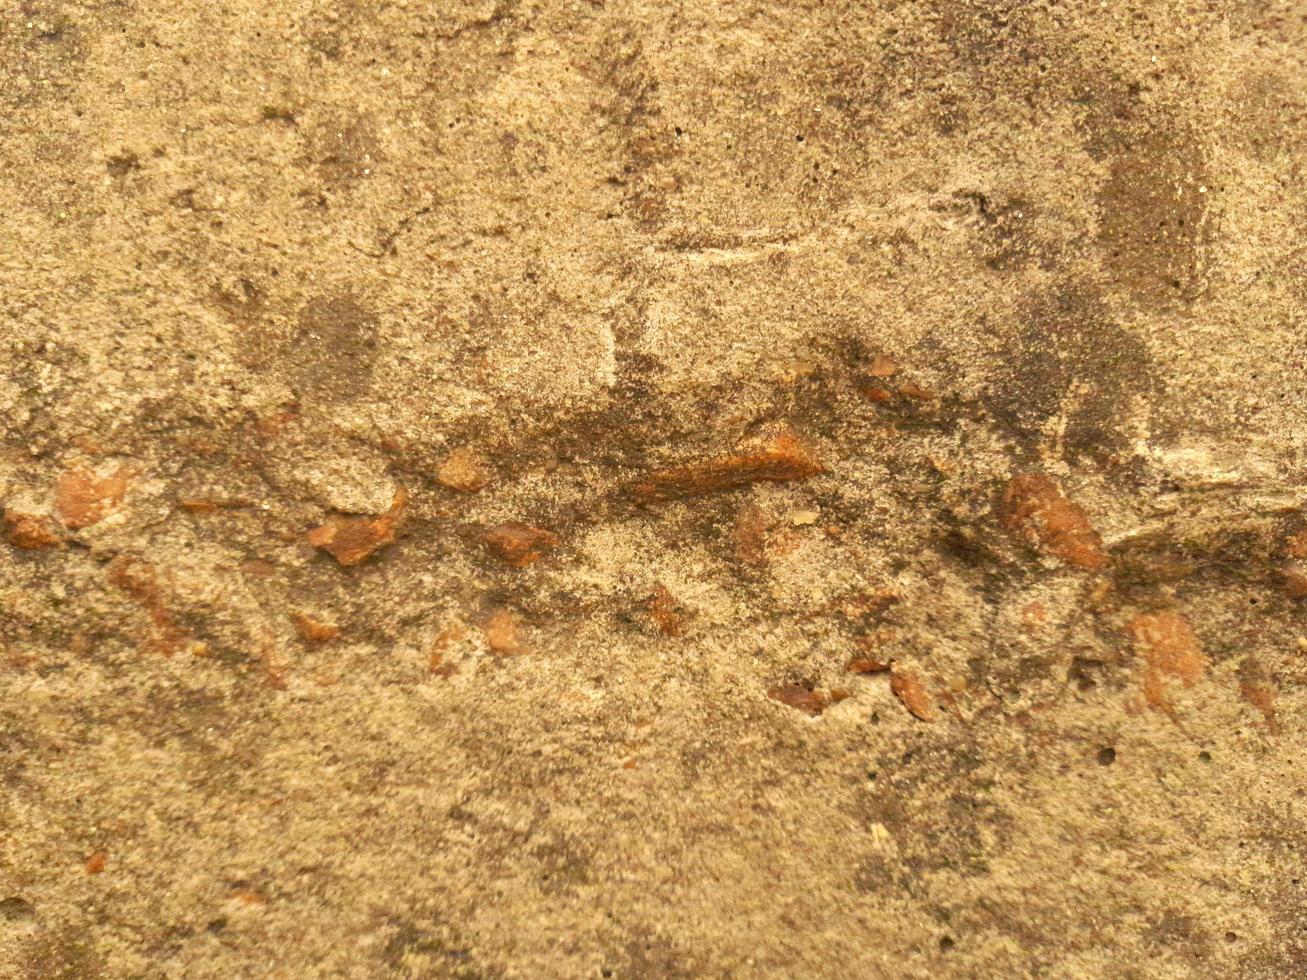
(889, 425)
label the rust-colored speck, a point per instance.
(667, 614)
(96, 862)
(916, 392)
(875, 393)
(439, 646)
(1294, 576)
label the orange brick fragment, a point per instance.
(1258, 689)
(463, 471)
(96, 862)
(351, 539)
(520, 544)
(313, 630)
(84, 497)
(804, 698)
(1170, 650)
(907, 687)
(916, 391)
(31, 532)
(775, 454)
(1035, 510)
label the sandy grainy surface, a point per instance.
(653, 489)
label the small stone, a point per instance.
(84, 496)
(875, 393)
(312, 629)
(907, 687)
(351, 539)
(462, 470)
(31, 532)
(1295, 545)
(96, 862)
(803, 518)
(775, 454)
(502, 632)
(1035, 510)
(1167, 644)
(804, 698)
(520, 545)
(667, 614)
(883, 366)
(867, 665)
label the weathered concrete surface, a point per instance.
(453, 450)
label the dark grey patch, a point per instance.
(63, 955)
(345, 152)
(991, 37)
(15, 909)
(332, 351)
(1177, 932)
(120, 165)
(564, 865)
(648, 957)
(1068, 356)
(429, 949)
(1004, 226)
(1152, 212)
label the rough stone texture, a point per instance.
(267, 268)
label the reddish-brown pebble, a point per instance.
(775, 454)
(520, 545)
(1035, 510)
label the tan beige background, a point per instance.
(265, 267)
